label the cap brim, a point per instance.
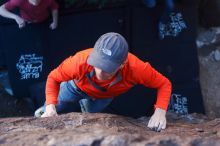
(102, 63)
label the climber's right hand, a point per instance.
(50, 111)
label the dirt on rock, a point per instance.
(87, 129)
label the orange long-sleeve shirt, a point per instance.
(134, 72)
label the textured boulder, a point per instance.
(84, 129)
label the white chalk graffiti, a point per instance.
(29, 66)
(178, 104)
(172, 28)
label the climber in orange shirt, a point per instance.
(93, 77)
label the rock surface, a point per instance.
(84, 129)
(208, 43)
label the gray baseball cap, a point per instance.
(110, 51)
